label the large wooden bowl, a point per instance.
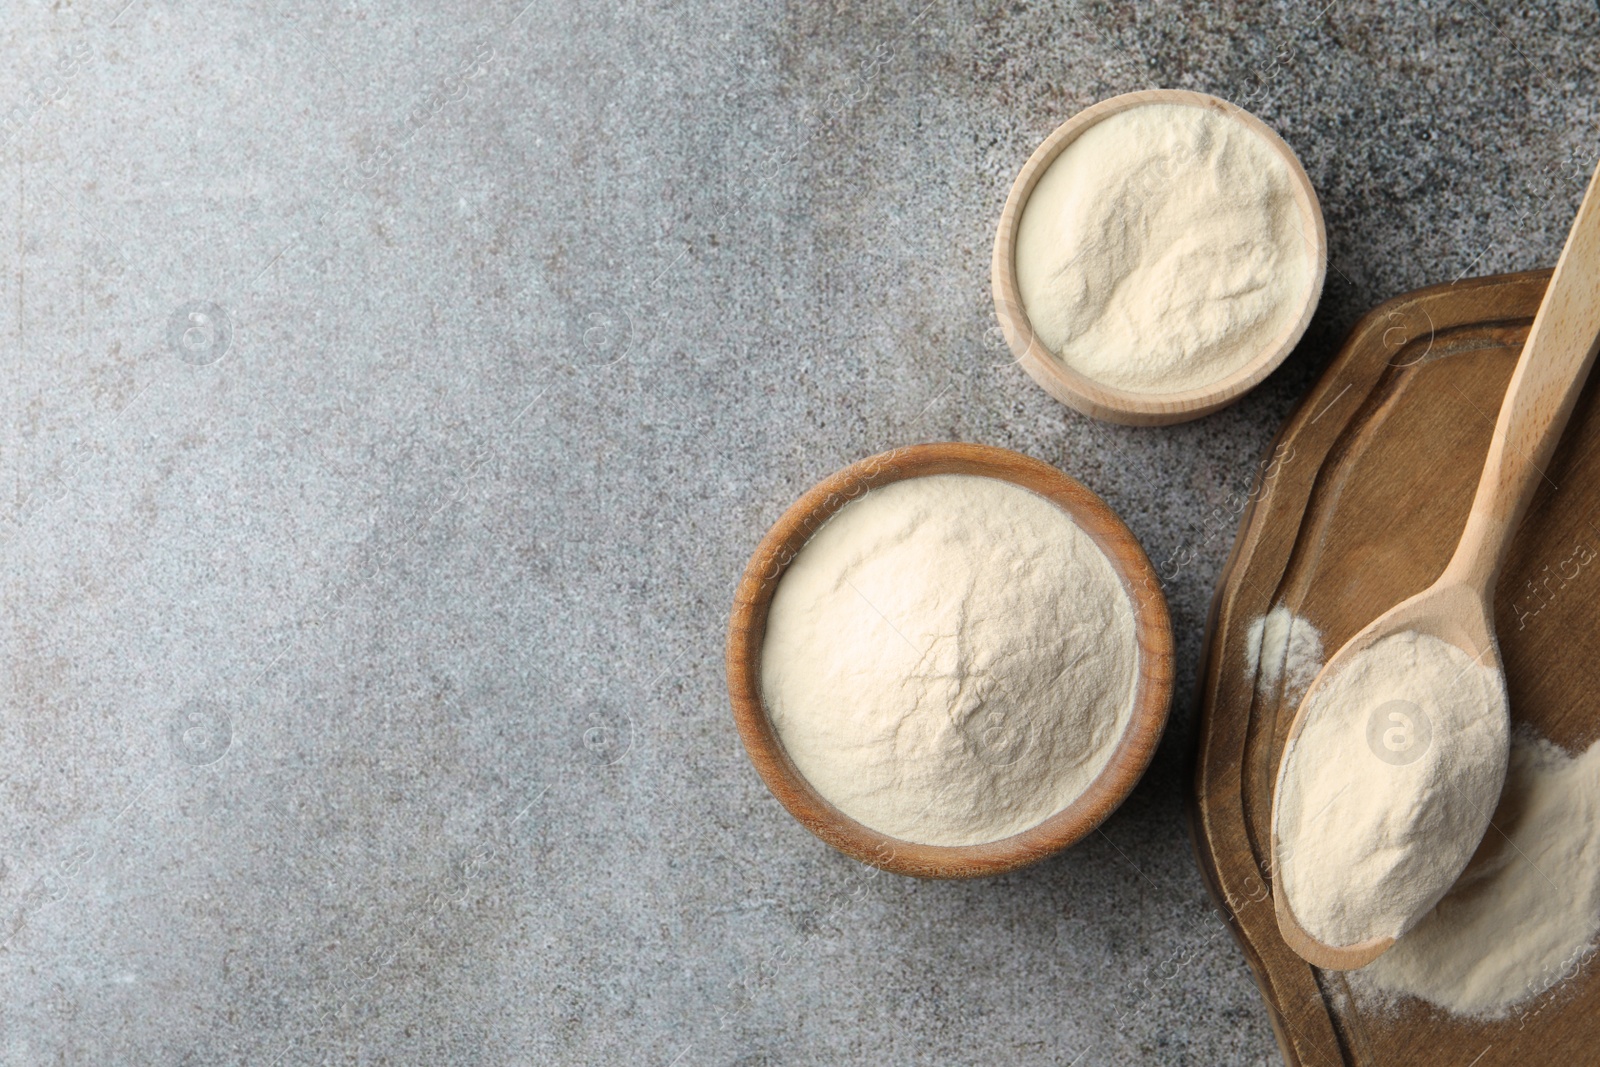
(1120, 405)
(748, 622)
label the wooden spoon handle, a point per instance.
(1545, 386)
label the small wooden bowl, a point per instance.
(1104, 401)
(748, 622)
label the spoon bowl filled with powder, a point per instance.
(950, 660)
(1158, 256)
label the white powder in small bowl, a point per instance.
(1164, 250)
(950, 660)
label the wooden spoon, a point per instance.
(1459, 606)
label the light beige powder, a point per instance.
(1282, 647)
(1164, 249)
(1525, 914)
(1386, 792)
(950, 659)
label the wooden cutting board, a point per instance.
(1358, 505)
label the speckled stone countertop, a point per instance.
(393, 393)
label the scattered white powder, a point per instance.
(1386, 793)
(1526, 911)
(1282, 646)
(950, 660)
(1164, 249)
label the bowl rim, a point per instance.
(1083, 393)
(1116, 780)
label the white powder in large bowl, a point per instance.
(1164, 249)
(950, 660)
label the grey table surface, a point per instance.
(393, 393)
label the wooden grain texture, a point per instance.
(1363, 504)
(1104, 401)
(747, 627)
(1458, 606)
(1545, 386)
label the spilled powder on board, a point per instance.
(1525, 914)
(1283, 646)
